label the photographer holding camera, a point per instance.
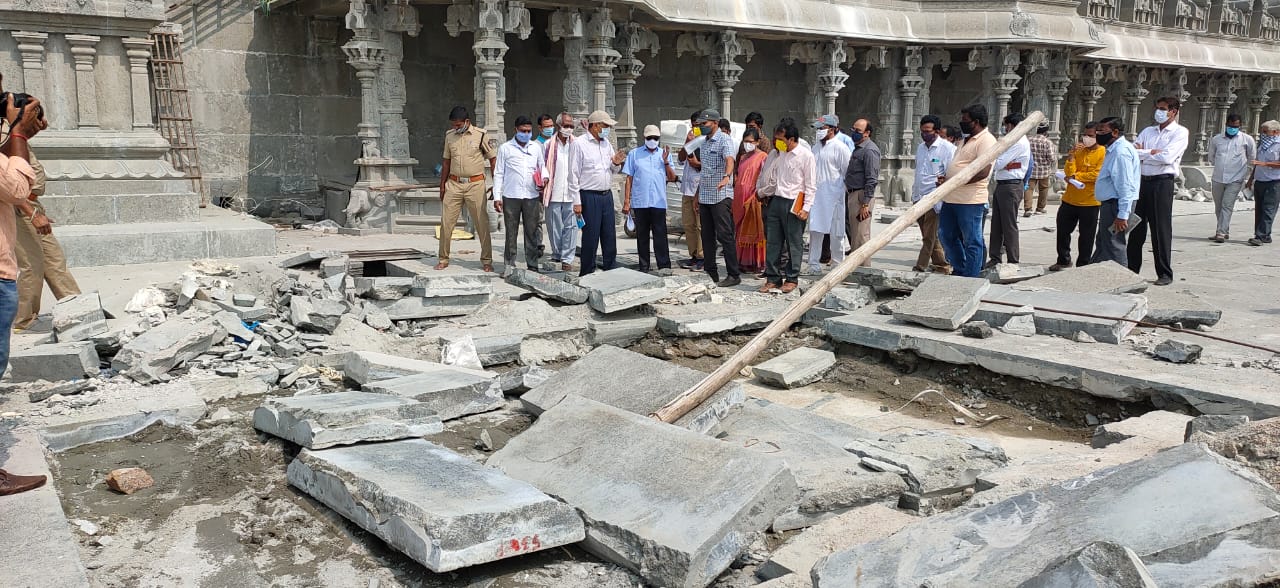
(16, 179)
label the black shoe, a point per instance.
(689, 263)
(1057, 267)
(730, 282)
(1256, 242)
(1164, 281)
(1267, 239)
(698, 266)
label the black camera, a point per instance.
(20, 101)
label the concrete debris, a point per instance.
(524, 379)
(1245, 556)
(616, 468)
(188, 289)
(527, 331)
(849, 298)
(887, 308)
(621, 288)
(547, 286)
(79, 317)
(633, 382)
(42, 390)
(86, 527)
(1107, 277)
(1207, 426)
(383, 288)
(366, 367)
(936, 463)
(129, 480)
(462, 353)
(53, 362)
(1124, 309)
(1083, 337)
(439, 508)
(234, 326)
(145, 298)
(880, 466)
(345, 418)
(316, 314)
(306, 258)
(1020, 321)
(149, 356)
(378, 319)
(1176, 351)
(1098, 565)
(244, 300)
(883, 279)
(795, 368)
(1163, 501)
(450, 392)
(942, 302)
(843, 531)
(1009, 273)
(697, 320)
(1163, 427)
(977, 330)
(1168, 307)
(1255, 445)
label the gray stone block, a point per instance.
(246, 313)
(417, 307)
(1020, 321)
(620, 328)
(1160, 502)
(155, 352)
(334, 266)
(622, 288)
(383, 288)
(633, 382)
(547, 286)
(936, 463)
(676, 522)
(345, 418)
(1167, 307)
(524, 379)
(1098, 565)
(1107, 277)
(452, 285)
(849, 298)
(53, 362)
(697, 320)
(1059, 324)
(795, 368)
(1248, 555)
(33, 527)
(450, 392)
(883, 279)
(1176, 351)
(1210, 424)
(859, 525)
(942, 302)
(219, 234)
(232, 324)
(307, 257)
(244, 300)
(318, 315)
(1009, 273)
(365, 367)
(439, 508)
(79, 317)
(976, 330)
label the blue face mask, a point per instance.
(857, 137)
(604, 133)
(707, 131)
(1233, 131)
(549, 132)
(523, 137)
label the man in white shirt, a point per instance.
(562, 226)
(827, 216)
(1160, 148)
(933, 156)
(1011, 173)
(1230, 153)
(592, 163)
(516, 194)
(793, 176)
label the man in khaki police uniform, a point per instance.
(466, 148)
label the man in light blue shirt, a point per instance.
(648, 169)
(933, 157)
(1117, 190)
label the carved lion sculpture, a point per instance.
(357, 210)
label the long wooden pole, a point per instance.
(729, 369)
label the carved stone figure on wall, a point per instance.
(357, 210)
(369, 148)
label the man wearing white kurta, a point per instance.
(827, 217)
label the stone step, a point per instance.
(34, 535)
(218, 234)
(122, 208)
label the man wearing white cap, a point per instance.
(827, 217)
(648, 169)
(592, 163)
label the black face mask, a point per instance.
(1106, 139)
(966, 127)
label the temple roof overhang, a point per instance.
(1136, 44)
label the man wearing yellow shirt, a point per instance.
(1079, 207)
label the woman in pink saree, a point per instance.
(748, 215)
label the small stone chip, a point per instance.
(129, 480)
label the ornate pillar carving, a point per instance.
(725, 70)
(490, 49)
(933, 58)
(568, 26)
(599, 57)
(84, 50)
(1225, 98)
(397, 17)
(1005, 81)
(824, 70)
(910, 86)
(632, 40)
(364, 53)
(31, 47)
(138, 50)
(1258, 100)
(1093, 89)
(1059, 82)
(1134, 94)
(1204, 85)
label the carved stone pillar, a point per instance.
(1005, 81)
(490, 50)
(725, 70)
(599, 57)
(1225, 99)
(568, 26)
(1057, 87)
(1205, 86)
(1093, 89)
(138, 50)
(824, 73)
(1134, 94)
(910, 86)
(933, 58)
(364, 53)
(84, 50)
(31, 46)
(1258, 100)
(632, 40)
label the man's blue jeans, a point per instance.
(960, 230)
(8, 310)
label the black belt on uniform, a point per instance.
(1159, 177)
(1009, 181)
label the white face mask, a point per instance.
(566, 132)
(1089, 141)
(749, 147)
(1162, 116)
(820, 136)
(651, 143)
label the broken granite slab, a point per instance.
(1159, 426)
(859, 525)
(530, 331)
(1160, 502)
(1208, 425)
(53, 362)
(799, 367)
(307, 257)
(697, 320)
(884, 279)
(622, 288)
(620, 329)
(345, 418)
(633, 382)
(1107, 277)
(337, 265)
(524, 379)
(1122, 306)
(936, 463)
(1010, 273)
(547, 286)
(79, 317)
(418, 307)
(365, 367)
(153, 353)
(942, 302)
(450, 392)
(1098, 565)
(1167, 307)
(830, 480)
(318, 315)
(383, 288)
(677, 523)
(245, 313)
(441, 509)
(849, 298)
(1175, 351)
(452, 285)
(233, 325)
(1248, 555)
